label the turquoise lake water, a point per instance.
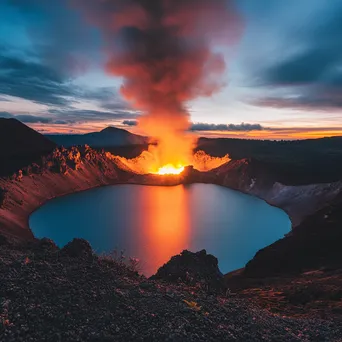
(153, 223)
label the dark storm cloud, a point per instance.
(60, 45)
(42, 84)
(310, 101)
(70, 116)
(243, 127)
(312, 68)
(27, 118)
(315, 65)
(59, 35)
(32, 81)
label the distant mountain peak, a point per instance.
(109, 137)
(20, 145)
(112, 129)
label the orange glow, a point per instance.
(169, 169)
(148, 163)
(290, 133)
(166, 225)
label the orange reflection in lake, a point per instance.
(166, 225)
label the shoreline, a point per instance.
(30, 192)
(150, 184)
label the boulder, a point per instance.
(47, 245)
(41, 248)
(3, 240)
(193, 268)
(77, 248)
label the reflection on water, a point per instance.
(154, 223)
(166, 224)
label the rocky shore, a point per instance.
(70, 170)
(70, 294)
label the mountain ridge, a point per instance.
(107, 137)
(20, 146)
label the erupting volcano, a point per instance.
(164, 52)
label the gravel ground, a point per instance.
(47, 294)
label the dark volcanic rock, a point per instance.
(78, 299)
(77, 248)
(191, 267)
(315, 243)
(3, 240)
(45, 245)
(3, 193)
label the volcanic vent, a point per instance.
(146, 163)
(165, 51)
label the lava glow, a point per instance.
(169, 169)
(147, 163)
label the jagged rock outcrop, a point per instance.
(193, 268)
(77, 248)
(62, 172)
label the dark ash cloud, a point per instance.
(243, 127)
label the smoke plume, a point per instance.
(164, 52)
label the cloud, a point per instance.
(42, 64)
(325, 102)
(27, 118)
(130, 122)
(314, 52)
(57, 33)
(41, 84)
(70, 116)
(200, 126)
(32, 81)
(309, 64)
(82, 115)
(243, 127)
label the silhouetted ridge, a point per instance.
(108, 137)
(20, 146)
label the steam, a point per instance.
(164, 52)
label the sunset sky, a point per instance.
(283, 78)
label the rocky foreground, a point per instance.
(70, 294)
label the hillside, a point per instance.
(291, 162)
(108, 137)
(301, 274)
(70, 294)
(20, 146)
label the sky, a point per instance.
(283, 78)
